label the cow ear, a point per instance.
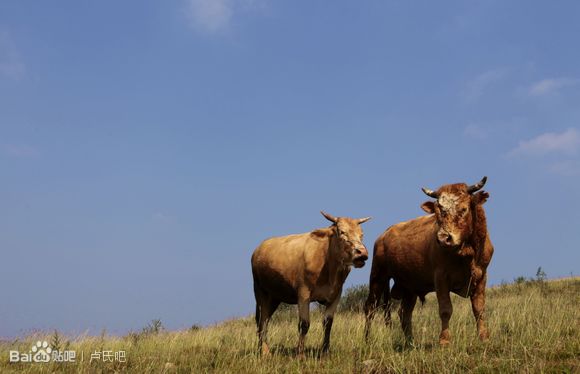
(428, 206)
(480, 198)
(321, 233)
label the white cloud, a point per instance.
(475, 88)
(547, 86)
(215, 16)
(10, 64)
(567, 142)
(210, 15)
(19, 150)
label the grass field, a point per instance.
(534, 326)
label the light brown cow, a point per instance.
(299, 269)
(446, 251)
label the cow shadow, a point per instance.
(291, 352)
(309, 352)
(404, 346)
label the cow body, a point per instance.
(285, 266)
(299, 269)
(447, 251)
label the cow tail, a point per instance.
(257, 296)
(387, 293)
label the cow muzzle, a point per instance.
(447, 239)
(360, 256)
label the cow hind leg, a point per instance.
(377, 286)
(406, 315)
(257, 315)
(387, 304)
(478, 307)
(265, 307)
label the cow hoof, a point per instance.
(444, 342)
(484, 336)
(265, 351)
(409, 344)
(444, 338)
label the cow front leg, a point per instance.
(478, 307)
(445, 310)
(303, 324)
(327, 323)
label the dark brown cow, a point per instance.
(446, 251)
(299, 269)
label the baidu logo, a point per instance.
(42, 352)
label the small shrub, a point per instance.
(195, 327)
(56, 341)
(541, 282)
(353, 299)
(153, 328)
(283, 307)
(540, 275)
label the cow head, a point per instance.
(350, 239)
(453, 210)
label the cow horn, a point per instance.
(329, 217)
(430, 193)
(363, 220)
(477, 186)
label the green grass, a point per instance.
(534, 326)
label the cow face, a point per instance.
(350, 238)
(453, 211)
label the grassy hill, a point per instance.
(534, 325)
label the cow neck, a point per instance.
(479, 233)
(336, 267)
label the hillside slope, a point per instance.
(534, 327)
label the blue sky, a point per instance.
(146, 148)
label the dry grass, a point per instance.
(534, 328)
